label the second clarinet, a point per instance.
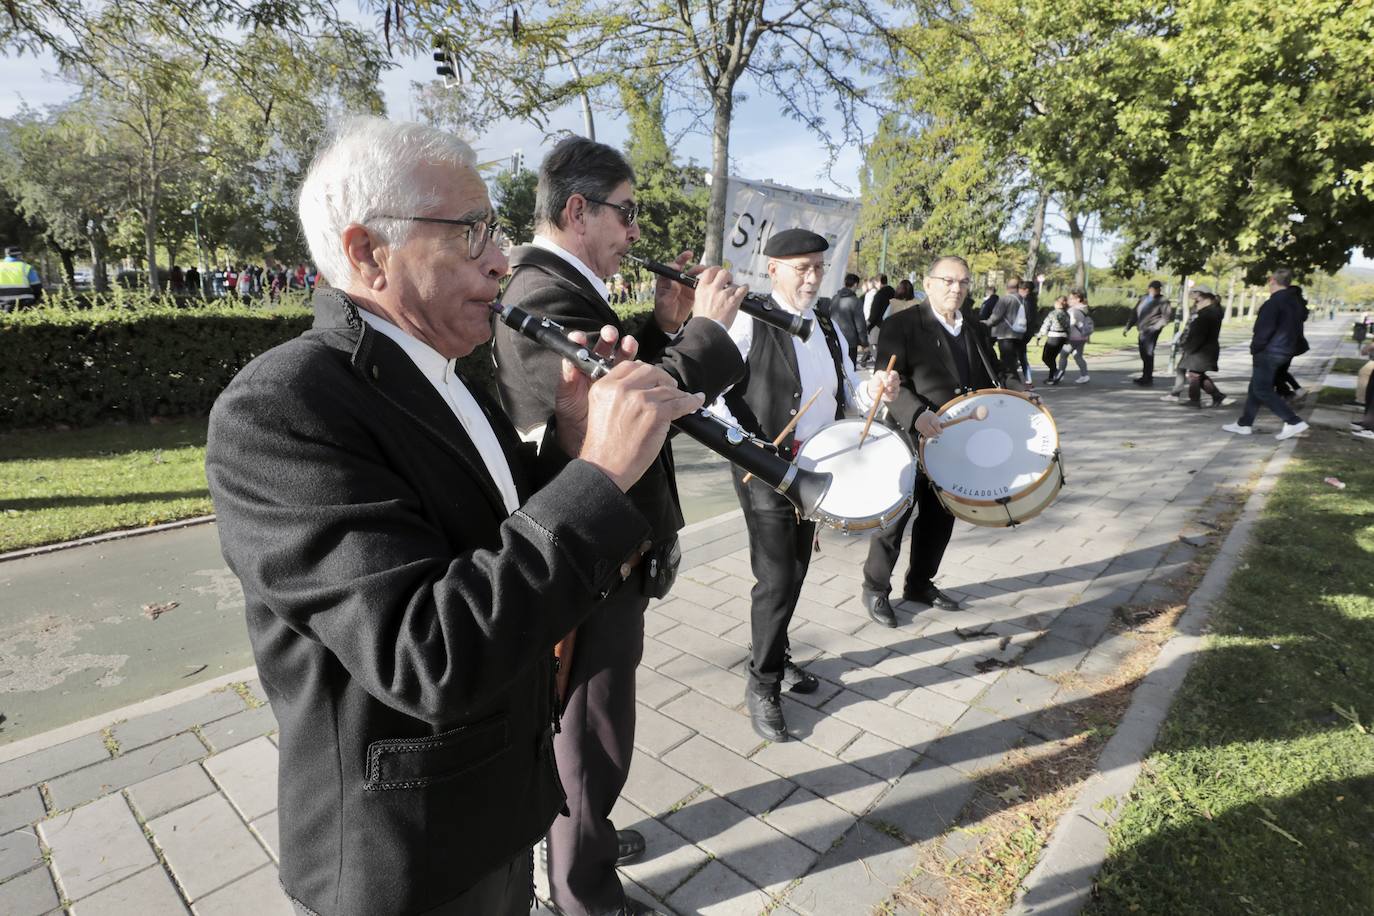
(760, 307)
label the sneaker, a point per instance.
(1238, 429)
(1363, 433)
(1169, 398)
(1081, 380)
(1291, 429)
(1356, 427)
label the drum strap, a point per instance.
(832, 343)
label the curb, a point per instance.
(107, 536)
(1061, 882)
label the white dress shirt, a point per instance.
(441, 374)
(954, 328)
(814, 365)
(548, 244)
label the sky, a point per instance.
(764, 145)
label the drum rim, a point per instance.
(1010, 522)
(921, 447)
(879, 521)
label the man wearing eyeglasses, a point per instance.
(783, 373)
(586, 219)
(407, 563)
(942, 351)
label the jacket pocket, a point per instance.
(413, 763)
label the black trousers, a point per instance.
(780, 548)
(1011, 352)
(929, 537)
(507, 890)
(593, 749)
(1146, 345)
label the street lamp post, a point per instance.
(194, 213)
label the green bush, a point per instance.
(80, 367)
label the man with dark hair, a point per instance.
(1150, 315)
(847, 311)
(877, 309)
(1278, 329)
(942, 351)
(586, 219)
(782, 374)
(990, 298)
(1007, 324)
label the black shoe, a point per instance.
(879, 608)
(932, 596)
(1219, 400)
(796, 679)
(765, 714)
(1195, 405)
(631, 843)
(1143, 382)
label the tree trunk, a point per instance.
(150, 247)
(68, 256)
(1080, 264)
(1037, 232)
(1231, 294)
(720, 178)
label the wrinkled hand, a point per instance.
(884, 385)
(673, 300)
(716, 296)
(570, 400)
(628, 412)
(928, 425)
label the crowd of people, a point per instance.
(241, 281)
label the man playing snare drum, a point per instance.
(782, 373)
(942, 351)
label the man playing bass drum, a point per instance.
(942, 350)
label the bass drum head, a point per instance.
(980, 465)
(872, 485)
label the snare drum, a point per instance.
(999, 471)
(872, 485)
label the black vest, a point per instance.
(770, 394)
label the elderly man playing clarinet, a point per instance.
(407, 563)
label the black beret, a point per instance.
(792, 242)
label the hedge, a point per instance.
(76, 368)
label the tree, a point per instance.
(513, 196)
(673, 198)
(805, 55)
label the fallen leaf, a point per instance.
(154, 611)
(1011, 795)
(1280, 831)
(198, 670)
(1003, 643)
(972, 632)
(987, 664)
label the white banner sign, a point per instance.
(754, 210)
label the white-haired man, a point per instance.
(407, 564)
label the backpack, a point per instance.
(1086, 325)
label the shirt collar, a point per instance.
(428, 360)
(952, 328)
(549, 245)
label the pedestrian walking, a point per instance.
(1151, 315)
(1080, 332)
(1007, 324)
(1278, 328)
(1055, 330)
(1285, 384)
(1200, 347)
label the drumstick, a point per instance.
(791, 425)
(979, 413)
(872, 411)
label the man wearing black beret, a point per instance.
(782, 373)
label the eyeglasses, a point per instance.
(952, 282)
(810, 270)
(479, 231)
(629, 213)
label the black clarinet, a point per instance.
(760, 307)
(802, 488)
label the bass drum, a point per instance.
(999, 471)
(872, 485)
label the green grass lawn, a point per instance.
(1259, 796)
(58, 485)
(1349, 365)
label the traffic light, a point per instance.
(447, 66)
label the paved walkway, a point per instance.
(171, 805)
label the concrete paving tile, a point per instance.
(19, 852)
(741, 781)
(154, 797)
(878, 756)
(654, 786)
(258, 893)
(853, 877)
(655, 732)
(656, 653)
(718, 891)
(668, 858)
(247, 774)
(809, 819)
(752, 847)
(955, 684)
(725, 687)
(1052, 655)
(932, 706)
(838, 619)
(704, 619)
(30, 894)
(239, 728)
(20, 809)
(739, 634)
(723, 725)
(111, 775)
(44, 765)
(268, 830)
(206, 845)
(148, 893)
(705, 573)
(977, 741)
(843, 784)
(155, 726)
(254, 688)
(654, 689)
(696, 593)
(883, 720)
(818, 729)
(95, 846)
(655, 622)
(1018, 693)
(705, 646)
